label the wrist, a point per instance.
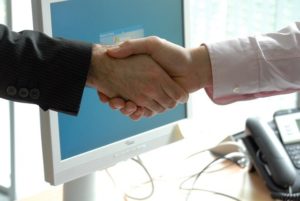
(206, 63)
(97, 52)
(202, 65)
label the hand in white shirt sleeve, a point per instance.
(232, 70)
(253, 67)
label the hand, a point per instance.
(137, 78)
(191, 68)
(128, 108)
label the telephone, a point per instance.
(274, 150)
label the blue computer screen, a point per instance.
(110, 22)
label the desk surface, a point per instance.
(232, 181)
(169, 168)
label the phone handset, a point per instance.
(280, 166)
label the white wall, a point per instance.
(4, 143)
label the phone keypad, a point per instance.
(293, 151)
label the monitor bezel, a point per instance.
(59, 171)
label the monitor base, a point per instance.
(84, 188)
(90, 188)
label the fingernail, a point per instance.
(118, 107)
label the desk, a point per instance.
(233, 181)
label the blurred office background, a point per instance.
(216, 20)
(209, 21)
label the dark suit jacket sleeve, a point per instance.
(38, 69)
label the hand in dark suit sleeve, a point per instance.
(52, 73)
(49, 72)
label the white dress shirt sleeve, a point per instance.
(258, 66)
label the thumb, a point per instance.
(128, 48)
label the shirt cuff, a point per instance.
(235, 70)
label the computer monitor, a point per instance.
(76, 146)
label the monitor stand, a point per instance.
(88, 188)
(84, 188)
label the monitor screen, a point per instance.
(99, 136)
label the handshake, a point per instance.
(143, 77)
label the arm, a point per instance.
(241, 69)
(41, 70)
(53, 72)
(252, 67)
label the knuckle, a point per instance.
(148, 113)
(140, 100)
(150, 90)
(155, 106)
(162, 110)
(172, 104)
(159, 108)
(178, 96)
(126, 43)
(153, 39)
(154, 42)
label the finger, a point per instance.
(170, 94)
(114, 103)
(137, 114)
(127, 48)
(129, 108)
(176, 92)
(162, 98)
(117, 103)
(148, 113)
(153, 105)
(103, 98)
